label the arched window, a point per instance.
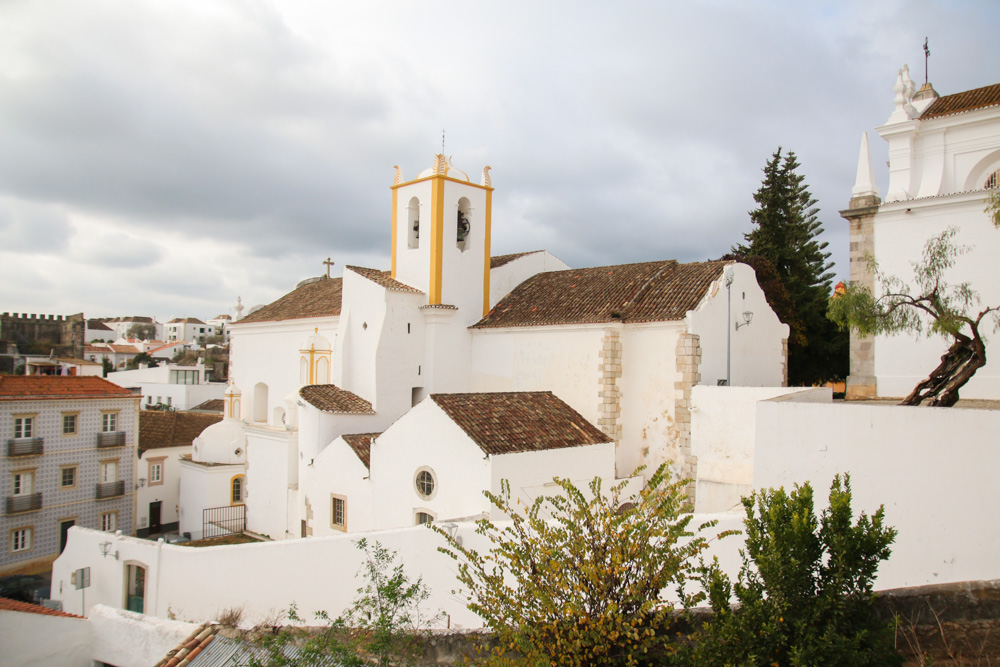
(463, 223)
(322, 371)
(260, 402)
(993, 181)
(413, 223)
(237, 490)
(421, 518)
(303, 370)
(135, 588)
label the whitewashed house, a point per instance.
(178, 387)
(944, 159)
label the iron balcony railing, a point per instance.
(25, 446)
(28, 502)
(225, 520)
(111, 489)
(112, 439)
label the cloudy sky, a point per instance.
(164, 157)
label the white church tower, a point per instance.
(441, 237)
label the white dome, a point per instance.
(222, 442)
(317, 342)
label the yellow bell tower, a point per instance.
(441, 236)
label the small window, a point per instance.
(109, 521)
(109, 422)
(424, 483)
(236, 490)
(338, 512)
(421, 518)
(24, 427)
(109, 472)
(69, 424)
(993, 181)
(20, 539)
(67, 477)
(24, 483)
(155, 473)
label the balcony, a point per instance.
(111, 489)
(112, 439)
(28, 502)
(25, 446)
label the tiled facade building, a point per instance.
(67, 460)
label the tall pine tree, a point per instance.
(785, 232)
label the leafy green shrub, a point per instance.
(578, 581)
(805, 586)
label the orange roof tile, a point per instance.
(979, 98)
(361, 443)
(6, 604)
(500, 260)
(20, 387)
(383, 278)
(646, 292)
(331, 398)
(158, 430)
(319, 298)
(511, 422)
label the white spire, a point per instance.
(864, 184)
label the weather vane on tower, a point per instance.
(442, 142)
(927, 55)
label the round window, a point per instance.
(425, 483)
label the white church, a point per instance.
(390, 398)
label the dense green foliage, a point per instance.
(805, 587)
(927, 303)
(578, 578)
(378, 628)
(785, 232)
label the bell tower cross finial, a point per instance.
(328, 264)
(927, 55)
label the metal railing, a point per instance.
(25, 446)
(111, 439)
(225, 520)
(111, 489)
(28, 502)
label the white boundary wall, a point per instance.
(934, 469)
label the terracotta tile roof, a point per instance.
(383, 278)
(320, 298)
(646, 292)
(158, 430)
(6, 604)
(19, 387)
(331, 398)
(500, 260)
(971, 99)
(361, 443)
(191, 647)
(124, 349)
(510, 422)
(185, 320)
(137, 318)
(97, 325)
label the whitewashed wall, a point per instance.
(272, 478)
(723, 426)
(649, 371)
(126, 639)
(504, 279)
(338, 470)
(756, 353)
(560, 359)
(268, 352)
(901, 230)
(37, 639)
(202, 487)
(361, 318)
(196, 584)
(934, 469)
(425, 436)
(168, 493)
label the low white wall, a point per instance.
(36, 639)
(126, 639)
(934, 469)
(723, 422)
